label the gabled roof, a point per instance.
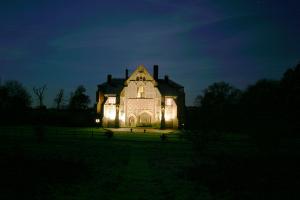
(141, 69)
(169, 87)
(166, 86)
(115, 86)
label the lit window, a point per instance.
(110, 112)
(111, 100)
(168, 101)
(141, 92)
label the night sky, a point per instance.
(67, 43)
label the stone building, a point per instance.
(141, 100)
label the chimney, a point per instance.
(109, 77)
(155, 72)
(126, 74)
(167, 78)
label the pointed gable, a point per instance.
(141, 74)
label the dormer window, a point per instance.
(140, 92)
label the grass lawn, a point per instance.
(83, 163)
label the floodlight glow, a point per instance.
(168, 116)
(111, 114)
(122, 116)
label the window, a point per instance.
(168, 101)
(140, 77)
(111, 100)
(141, 92)
(110, 112)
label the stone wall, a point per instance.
(138, 108)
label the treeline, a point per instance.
(268, 108)
(16, 107)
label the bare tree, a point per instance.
(39, 92)
(59, 98)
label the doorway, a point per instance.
(145, 119)
(131, 121)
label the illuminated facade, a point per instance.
(141, 100)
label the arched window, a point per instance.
(140, 92)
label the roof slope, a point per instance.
(169, 87)
(166, 87)
(115, 86)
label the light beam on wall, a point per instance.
(110, 108)
(110, 112)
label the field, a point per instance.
(86, 163)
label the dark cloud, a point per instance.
(67, 43)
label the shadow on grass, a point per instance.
(108, 133)
(32, 178)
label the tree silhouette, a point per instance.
(13, 96)
(262, 111)
(218, 94)
(218, 106)
(290, 96)
(39, 92)
(291, 86)
(59, 99)
(79, 100)
(262, 97)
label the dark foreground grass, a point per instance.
(60, 169)
(255, 177)
(233, 167)
(68, 163)
(81, 164)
